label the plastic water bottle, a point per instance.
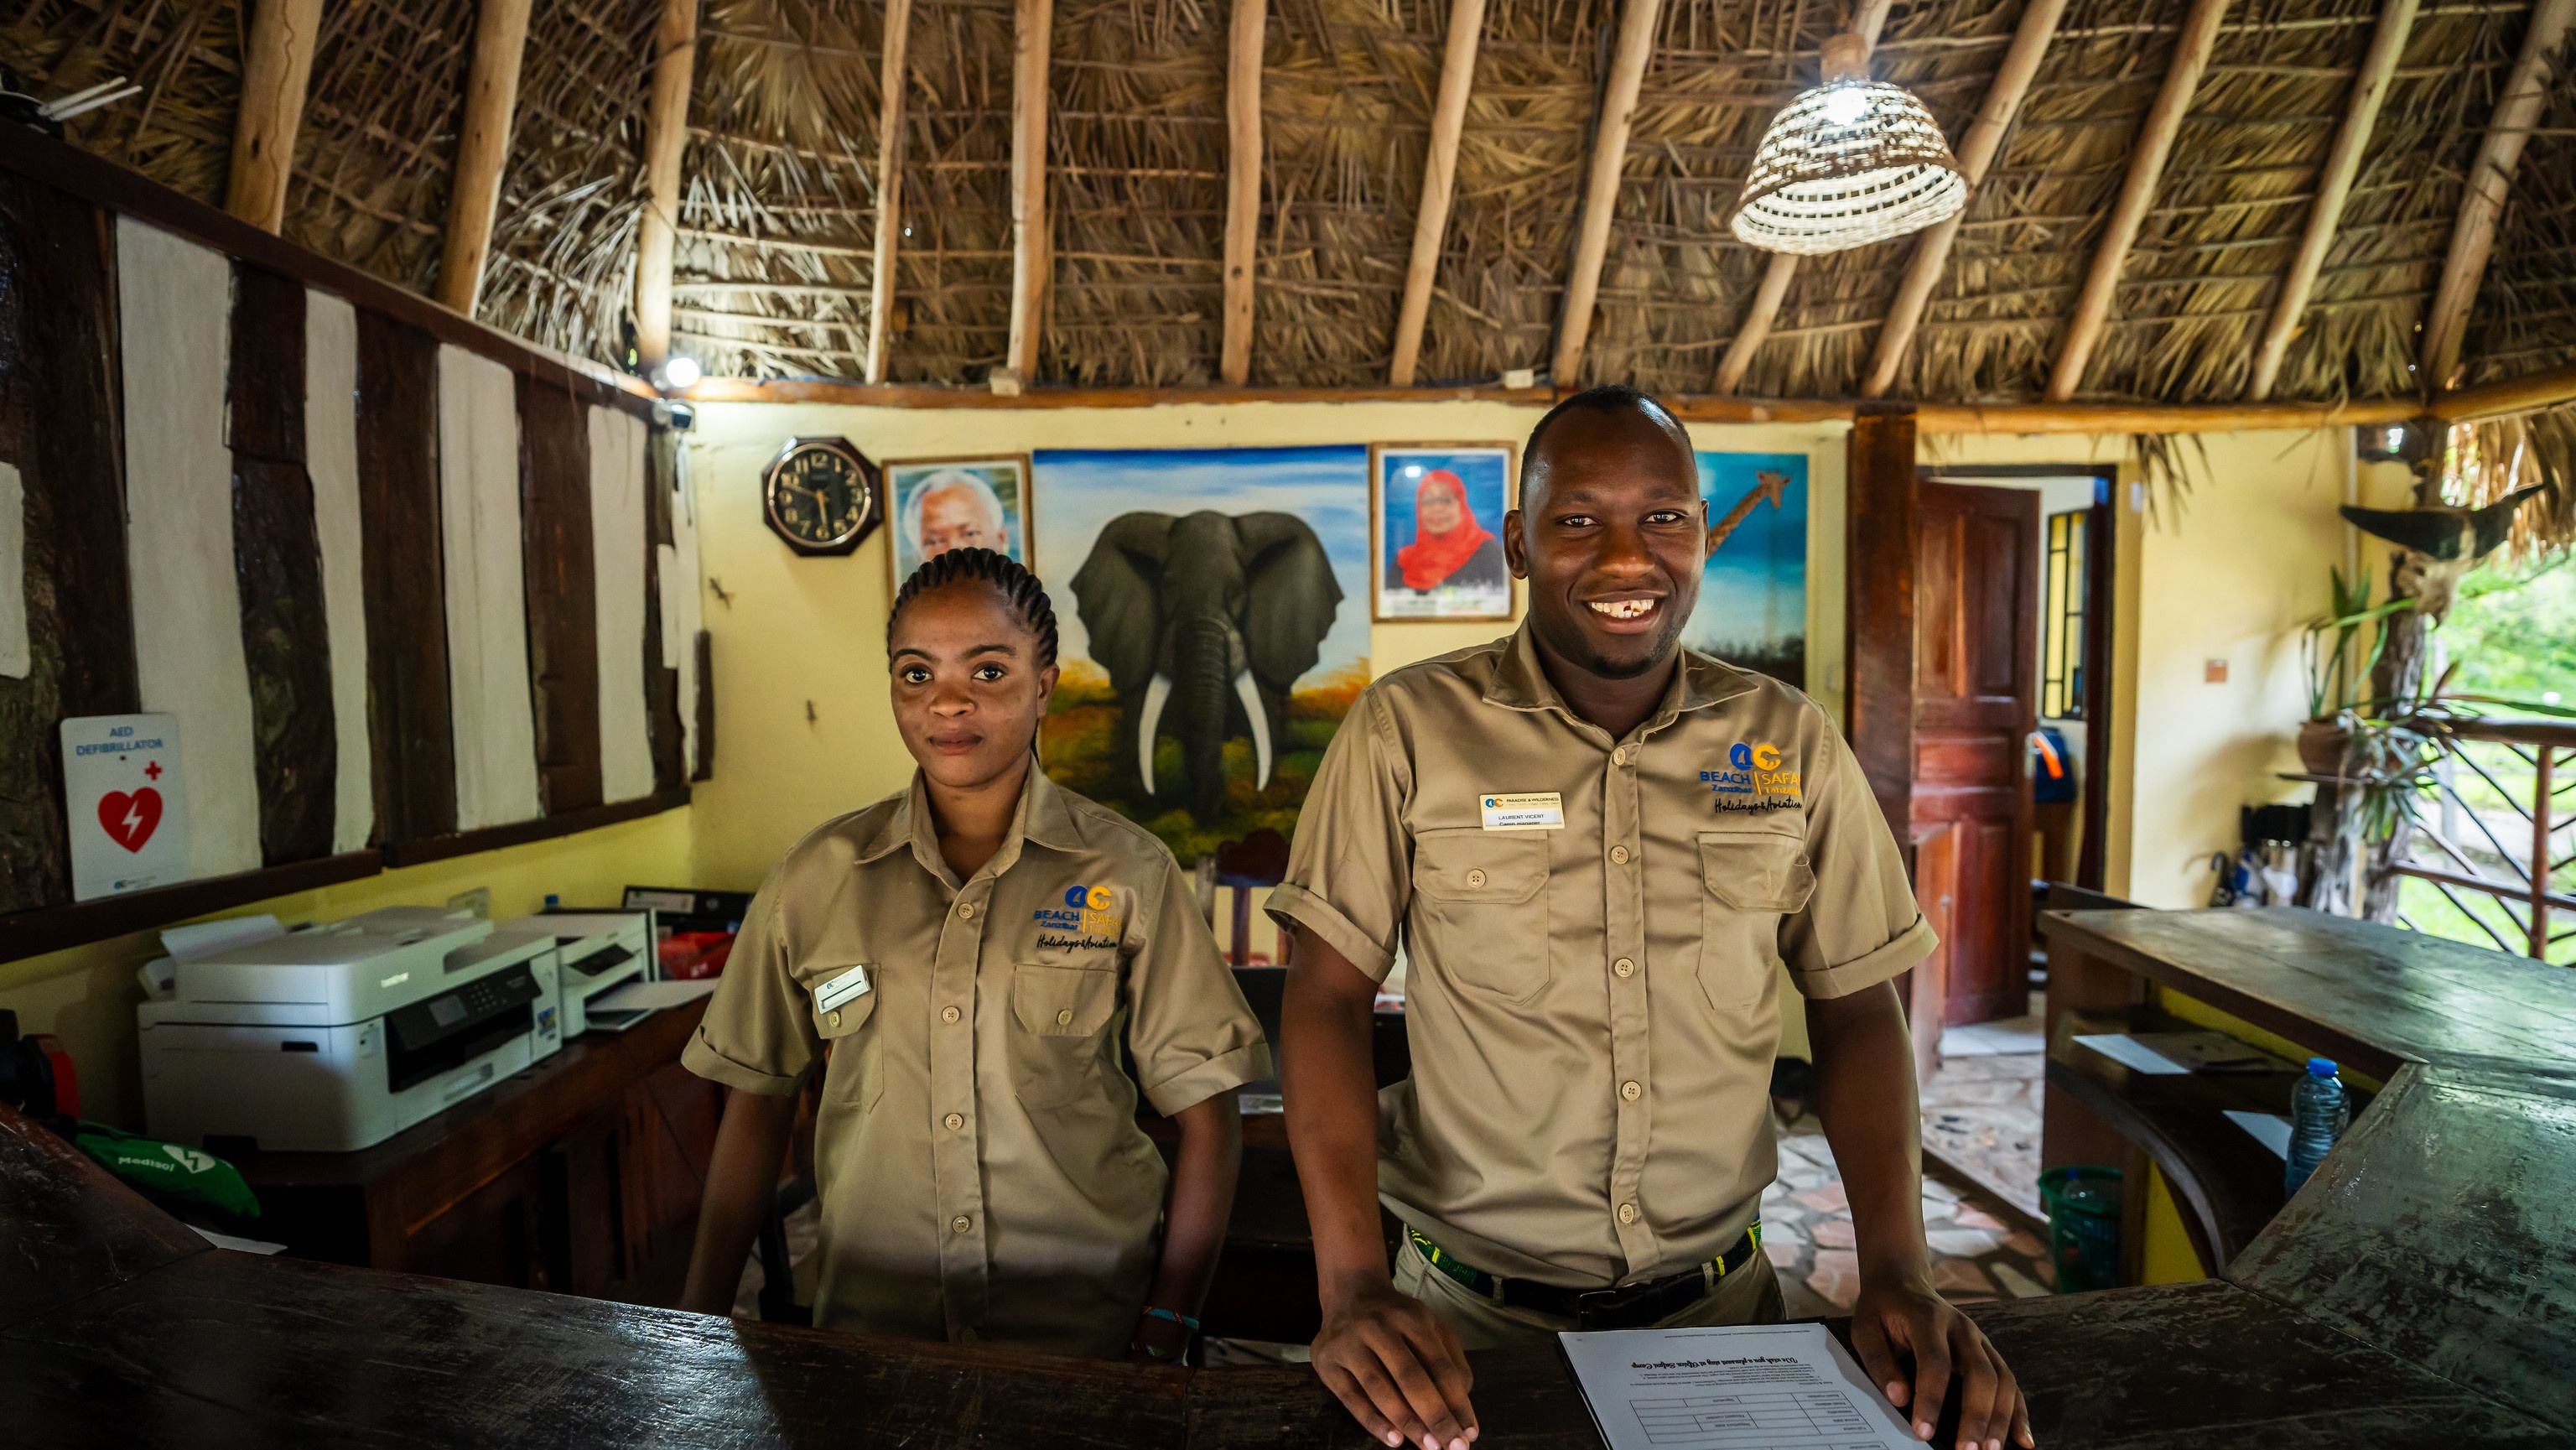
(2319, 1113)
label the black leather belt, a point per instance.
(1628, 1306)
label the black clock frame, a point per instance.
(872, 480)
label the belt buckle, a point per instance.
(1602, 1308)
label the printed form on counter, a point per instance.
(1743, 1387)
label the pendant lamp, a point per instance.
(1851, 162)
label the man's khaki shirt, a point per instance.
(980, 1170)
(1592, 1003)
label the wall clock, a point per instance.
(822, 495)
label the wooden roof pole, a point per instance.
(666, 137)
(1636, 45)
(890, 87)
(1439, 184)
(275, 74)
(2526, 90)
(1783, 266)
(1242, 182)
(2334, 186)
(2137, 193)
(474, 194)
(1032, 36)
(1977, 151)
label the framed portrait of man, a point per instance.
(939, 504)
(1436, 525)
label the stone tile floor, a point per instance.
(1978, 1252)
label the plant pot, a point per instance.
(2322, 744)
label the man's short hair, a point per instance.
(941, 482)
(1606, 399)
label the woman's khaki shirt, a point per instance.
(980, 1170)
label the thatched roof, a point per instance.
(774, 261)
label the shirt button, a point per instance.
(1475, 878)
(1619, 756)
(834, 1018)
(1627, 1214)
(948, 1014)
(1631, 1091)
(1064, 1018)
(1618, 855)
(966, 911)
(1624, 967)
(954, 1121)
(961, 1223)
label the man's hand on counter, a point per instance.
(1896, 1315)
(1397, 1369)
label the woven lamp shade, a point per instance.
(1848, 163)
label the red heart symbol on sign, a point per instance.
(130, 819)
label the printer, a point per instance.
(598, 951)
(338, 1036)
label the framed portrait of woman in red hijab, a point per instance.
(1437, 525)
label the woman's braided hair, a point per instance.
(1019, 588)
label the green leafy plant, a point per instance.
(2334, 676)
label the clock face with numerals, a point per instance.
(821, 495)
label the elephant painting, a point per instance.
(1204, 622)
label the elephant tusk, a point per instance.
(1260, 719)
(1156, 693)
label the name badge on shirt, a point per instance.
(841, 990)
(1533, 811)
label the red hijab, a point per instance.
(1432, 558)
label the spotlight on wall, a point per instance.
(677, 375)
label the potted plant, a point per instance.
(2335, 677)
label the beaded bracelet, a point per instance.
(1183, 1320)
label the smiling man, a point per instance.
(1596, 847)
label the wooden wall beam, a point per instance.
(1977, 151)
(1878, 617)
(1242, 183)
(666, 140)
(2526, 90)
(277, 65)
(1782, 269)
(1636, 45)
(2147, 158)
(482, 150)
(1439, 185)
(411, 725)
(890, 89)
(561, 579)
(2334, 185)
(1033, 32)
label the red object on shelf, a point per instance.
(66, 1082)
(689, 955)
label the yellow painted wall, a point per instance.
(2167, 1256)
(86, 995)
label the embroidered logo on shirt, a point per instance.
(1753, 779)
(1087, 916)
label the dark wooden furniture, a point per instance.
(582, 1175)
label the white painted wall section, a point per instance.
(174, 326)
(617, 442)
(331, 458)
(487, 599)
(16, 659)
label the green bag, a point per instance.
(184, 1175)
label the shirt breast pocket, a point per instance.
(1059, 1018)
(1480, 909)
(1749, 880)
(854, 1074)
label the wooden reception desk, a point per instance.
(2422, 1289)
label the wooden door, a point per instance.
(1976, 700)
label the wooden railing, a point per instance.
(2496, 819)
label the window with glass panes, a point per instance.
(2061, 643)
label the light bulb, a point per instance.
(681, 372)
(1846, 105)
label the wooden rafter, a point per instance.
(1977, 151)
(276, 68)
(1636, 46)
(2526, 90)
(666, 139)
(482, 149)
(2147, 158)
(1242, 182)
(1755, 328)
(890, 86)
(1439, 185)
(2334, 186)
(1032, 37)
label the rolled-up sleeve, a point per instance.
(1350, 873)
(1861, 925)
(758, 1034)
(1190, 1034)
